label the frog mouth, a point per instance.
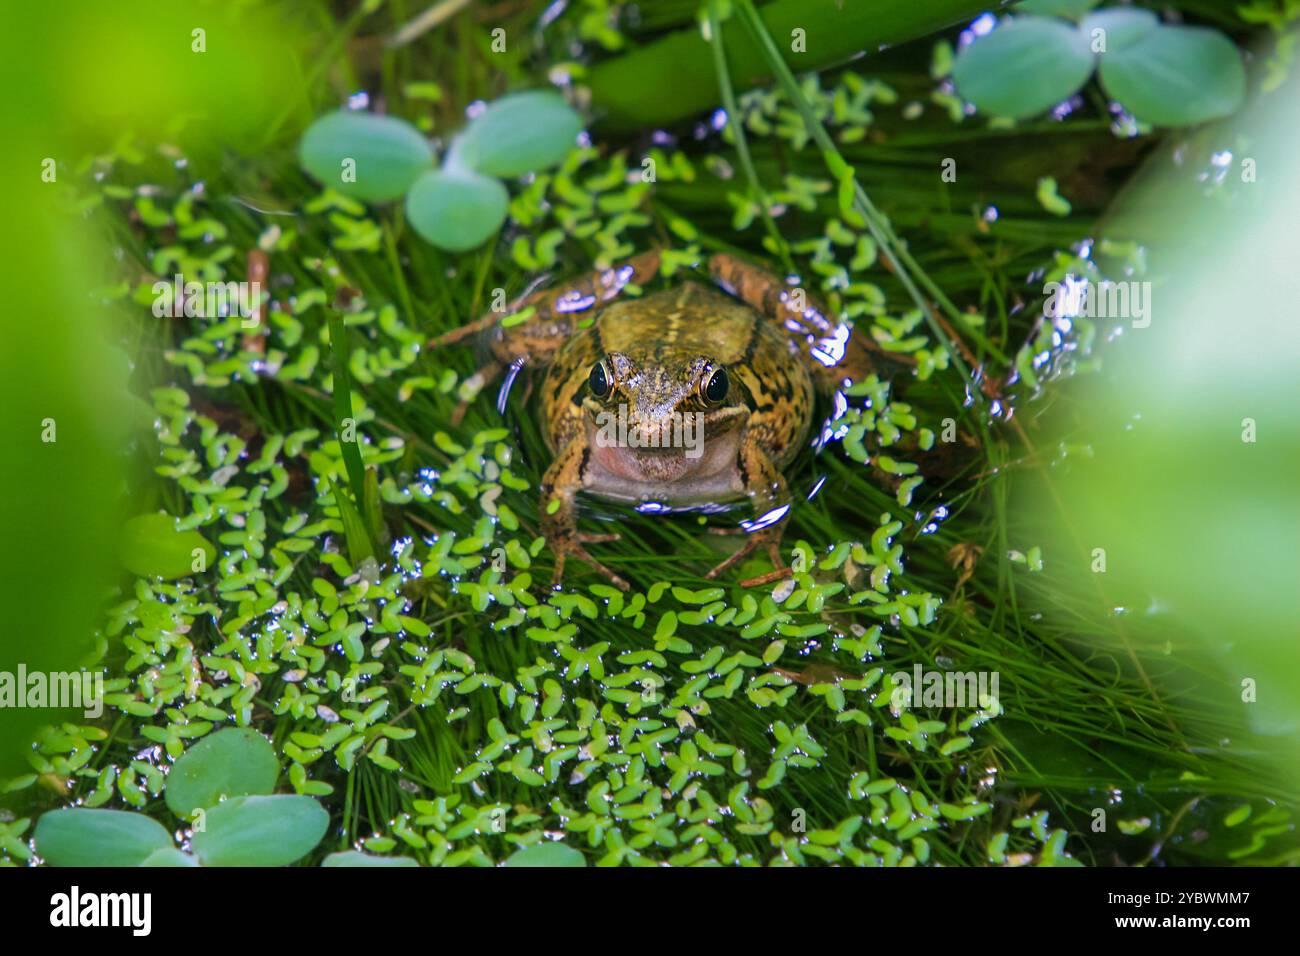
(667, 451)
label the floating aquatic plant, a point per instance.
(463, 204)
(1165, 74)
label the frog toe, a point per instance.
(767, 539)
(585, 538)
(575, 549)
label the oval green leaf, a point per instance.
(456, 211)
(79, 837)
(234, 762)
(1121, 27)
(151, 546)
(356, 858)
(517, 134)
(1025, 66)
(375, 158)
(260, 831)
(1176, 76)
(546, 854)
(169, 856)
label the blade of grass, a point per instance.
(904, 264)
(711, 23)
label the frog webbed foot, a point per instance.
(767, 490)
(769, 538)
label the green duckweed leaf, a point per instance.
(456, 211)
(234, 762)
(546, 854)
(1176, 76)
(1025, 66)
(517, 134)
(375, 158)
(151, 546)
(79, 837)
(260, 831)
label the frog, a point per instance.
(694, 396)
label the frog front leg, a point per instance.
(835, 351)
(766, 489)
(559, 512)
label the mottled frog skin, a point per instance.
(744, 365)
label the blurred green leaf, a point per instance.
(234, 762)
(356, 858)
(169, 856)
(456, 211)
(1057, 8)
(1176, 76)
(1025, 66)
(79, 837)
(517, 134)
(546, 854)
(260, 831)
(375, 158)
(151, 546)
(1121, 26)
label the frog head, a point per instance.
(663, 415)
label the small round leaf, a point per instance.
(1121, 27)
(456, 210)
(1176, 76)
(1025, 66)
(374, 158)
(546, 854)
(76, 836)
(234, 762)
(151, 546)
(356, 858)
(517, 134)
(169, 856)
(260, 831)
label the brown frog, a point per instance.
(683, 397)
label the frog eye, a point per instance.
(715, 389)
(600, 380)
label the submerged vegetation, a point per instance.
(362, 583)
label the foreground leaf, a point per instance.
(356, 858)
(1176, 76)
(260, 831)
(169, 856)
(517, 134)
(456, 210)
(234, 762)
(546, 855)
(1024, 67)
(151, 546)
(79, 837)
(375, 158)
